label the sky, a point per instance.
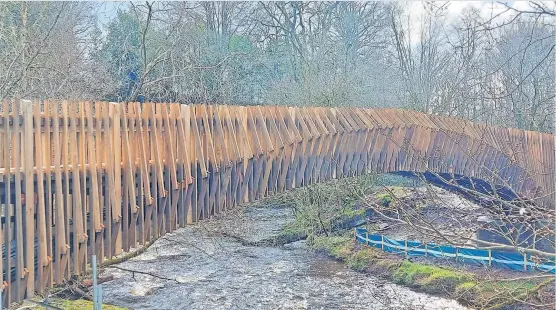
(108, 11)
(488, 9)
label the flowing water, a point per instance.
(197, 267)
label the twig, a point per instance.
(145, 273)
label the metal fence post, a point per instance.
(367, 238)
(95, 292)
(382, 238)
(426, 248)
(99, 301)
(524, 261)
(405, 248)
(489, 257)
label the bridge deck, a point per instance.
(114, 176)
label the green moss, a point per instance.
(358, 260)
(343, 248)
(508, 286)
(389, 264)
(79, 304)
(385, 199)
(292, 229)
(353, 212)
(339, 247)
(386, 196)
(430, 277)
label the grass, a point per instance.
(353, 212)
(343, 248)
(430, 278)
(338, 246)
(80, 304)
(65, 304)
(386, 196)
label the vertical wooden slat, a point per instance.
(60, 251)
(29, 228)
(41, 212)
(8, 202)
(18, 225)
(48, 195)
(66, 175)
(85, 200)
(79, 239)
(115, 116)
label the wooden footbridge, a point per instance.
(83, 178)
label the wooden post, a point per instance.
(79, 228)
(60, 234)
(29, 230)
(41, 213)
(117, 153)
(7, 205)
(18, 225)
(367, 238)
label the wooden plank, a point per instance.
(183, 145)
(136, 184)
(94, 197)
(7, 205)
(41, 212)
(171, 166)
(129, 180)
(144, 173)
(99, 145)
(66, 176)
(117, 172)
(29, 228)
(79, 244)
(61, 249)
(17, 155)
(158, 170)
(49, 195)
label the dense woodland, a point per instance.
(488, 62)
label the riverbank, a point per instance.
(326, 213)
(480, 288)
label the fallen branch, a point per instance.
(521, 297)
(145, 273)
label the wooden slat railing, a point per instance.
(113, 176)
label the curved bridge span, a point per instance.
(82, 178)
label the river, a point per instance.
(197, 267)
